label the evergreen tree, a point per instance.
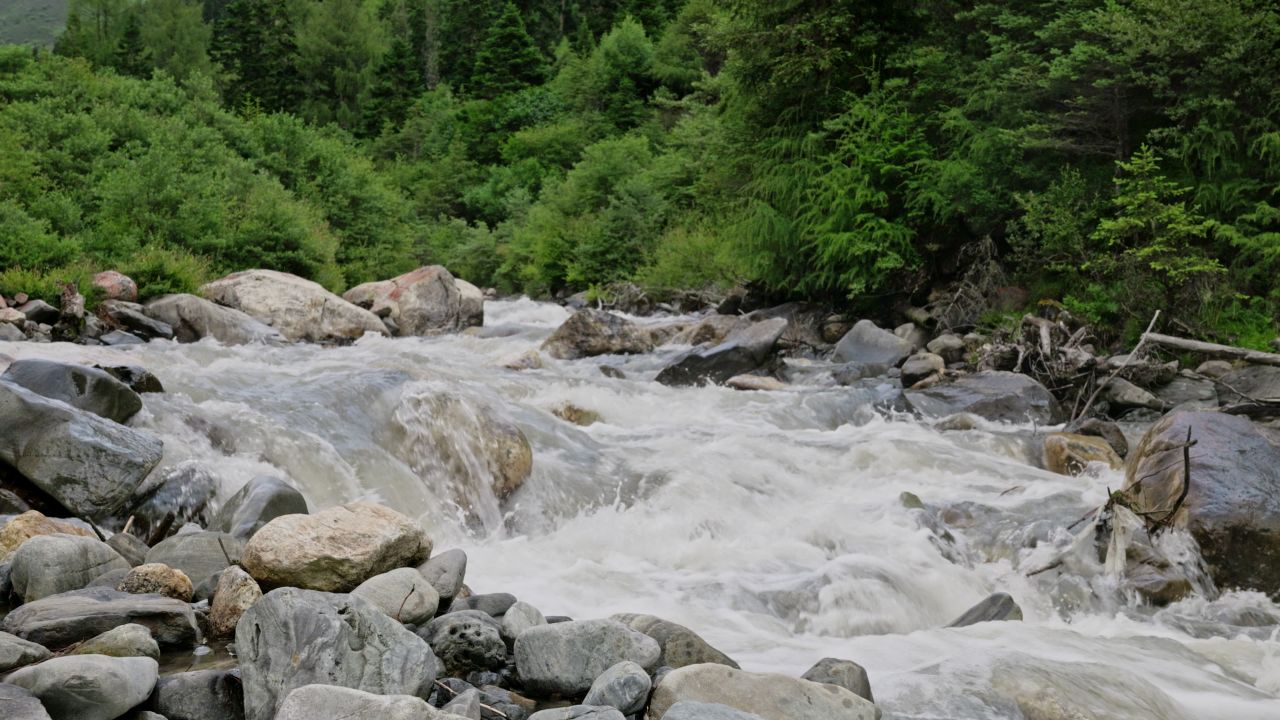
(132, 57)
(253, 42)
(397, 82)
(509, 60)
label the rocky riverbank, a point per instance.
(113, 559)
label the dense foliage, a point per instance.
(1120, 155)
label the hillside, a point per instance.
(31, 21)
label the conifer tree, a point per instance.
(132, 57)
(509, 60)
(254, 44)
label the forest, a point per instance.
(1116, 156)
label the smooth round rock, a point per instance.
(50, 564)
(89, 687)
(327, 702)
(680, 645)
(236, 592)
(518, 618)
(129, 640)
(842, 673)
(772, 697)
(260, 501)
(200, 695)
(402, 594)
(565, 658)
(16, 652)
(157, 578)
(445, 572)
(624, 686)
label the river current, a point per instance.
(781, 526)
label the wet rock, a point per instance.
(1251, 382)
(711, 330)
(299, 309)
(50, 564)
(236, 592)
(157, 578)
(194, 318)
(579, 712)
(518, 618)
(921, 367)
(993, 394)
(527, 360)
(131, 317)
(198, 554)
(16, 652)
(950, 348)
(327, 702)
(612, 372)
(565, 658)
(842, 673)
(115, 286)
(129, 640)
(401, 594)
(755, 382)
(772, 697)
(261, 500)
(493, 604)
(88, 687)
(465, 641)
(996, 607)
(742, 351)
(1123, 394)
(426, 301)
(120, 337)
(32, 523)
(573, 414)
(1232, 506)
(334, 550)
(1105, 429)
(130, 548)
(1070, 454)
(39, 311)
(292, 638)
(139, 379)
(89, 464)
(200, 695)
(680, 646)
(445, 572)
(852, 373)
(20, 704)
(171, 498)
(589, 332)
(624, 686)
(866, 343)
(60, 620)
(81, 387)
(1188, 391)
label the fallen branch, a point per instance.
(1128, 359)
(1212, 350)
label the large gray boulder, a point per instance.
(20, 704)
(334, 550)
(1251, 382)
(565, 658)
(84, 388)
(1232, 506)
(692, 710)
(200, 695)
(993, 394)
(329, 702)
(589, 332)
(401, 594)
(299, 309)
(261, 500)
(866, 343)
(624, 686)
(60, 620)
(426, 301)
(199, 554)
(292, 638)
(16, 652)
(194, 318)
(744, 350)
(89, 464)
(89, 687)
(680, 645)
(50, 564)
(772, 697)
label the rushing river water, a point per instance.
(784, 527)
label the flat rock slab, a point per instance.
(994, 395)
(60, 620)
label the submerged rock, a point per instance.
(425, 301)
(772, 697)
(993, 394)
(89, 687)
(299, 309)
(996, 607)
(565, 658)
(1070, 454)
(589, 332)
(84, 388)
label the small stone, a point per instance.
(157, 578)
(465, 641)
(236, 592)
(842, 673)
(565, 658)
(402, 594)
(624, 686)
(16, 652)
(996, 607)
(466, 705)
(445, 572)
(32, 523)
(130, 640)
(89, 687)
(573, 414)
(115, 286)
(50, 564)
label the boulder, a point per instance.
(589, 332)
(39, 311)
(81, 387)
(60, 620)
(200, 695)
(1215, 368)
(579, 712)
(518, 618)
(868, 344)
(129, 640)
(20, 704)
(16, 652)
(624, 686)
(921, 367)
(742, 351)
(992, 394)
(1188, 391)
(120, 337)
(401, 594)
(198, 554)
(131, 317)
(299, 309)
(949, 347)
(261, 500)
(328, 702)
(236, 592)
(157, 578)
(50, 564)
(194, 318)
(690, 710)
(115, 286)
(913, 334)
(139, 379)
(11, 333)
(994, 608)
(772, 697)
(334, 550)
(32, 523)
(171, 498)
(89, 464)
(445, 572)
(292, 638)
(1071, 454)
(1105, 429)
(1123, 394)
(89, 687)
(426, 301)
(1251, 382)
(680, 646)
(1232, 505)
(842, 673)
(466, 641)
(565, 658)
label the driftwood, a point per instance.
(1213, 350)
(1084, 410)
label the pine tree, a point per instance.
(132, 57)
(254, 44)
(509, 60)
(397, 82)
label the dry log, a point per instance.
(1213, 350)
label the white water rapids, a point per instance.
(774, 524)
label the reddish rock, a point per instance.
(116, 286)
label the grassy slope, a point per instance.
(31, 21)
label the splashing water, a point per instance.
(784, 527)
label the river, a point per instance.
(782, 526)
